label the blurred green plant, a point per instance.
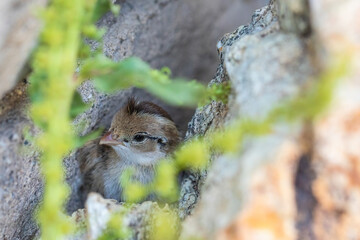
(115, 228)
(165, 225)
(51, 91)
(109, 76)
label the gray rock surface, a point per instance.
(259, 61)
(19, 29)
(20, 180)
(265, 67)
(136, 218)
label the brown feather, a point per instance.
(100, 164)
(134, 107)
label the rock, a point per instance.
(99, 212)
(136, 223)
(294, 16)
(300, 181)
(258, 185)
(336, 165)
(336, 134)
(20, 180)
(80, 219)
(246, 55)
(335, 32)
(19, 29)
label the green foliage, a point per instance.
(77, 105)
(102, 7)
(194, 155)
(165, 184)
(133, 191)
(220, 92)
(115, 228)
(80, 141)
(111, 76)
(164, 226)
(51, 92)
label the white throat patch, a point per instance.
(141, 158)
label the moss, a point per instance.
(52, 87)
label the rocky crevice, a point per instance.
(298, 182)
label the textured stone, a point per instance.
(136, 217)
(294, 16)
(266, 191)
(336, 27)
(20, 180)
(247, 64)
(336, 134)
(19, 30)
(300, 181)
(336, 163)
(251, 193)
(246, 56)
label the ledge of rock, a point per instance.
(299, 181)
(17, 22)
(136, 218)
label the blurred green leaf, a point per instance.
(178, 91)
(193, 155)
(80, 141)
(111, 76)
(220, 91)
(77, 105)
(102, 7)
(165, 182)
(116, 228)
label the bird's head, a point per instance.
(142, 133)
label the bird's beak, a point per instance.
(108, 140)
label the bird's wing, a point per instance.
(91, 154)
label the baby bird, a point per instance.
(140, 135)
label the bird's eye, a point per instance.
(161, 140)
(139, 138)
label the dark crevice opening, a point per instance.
(305, 199)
